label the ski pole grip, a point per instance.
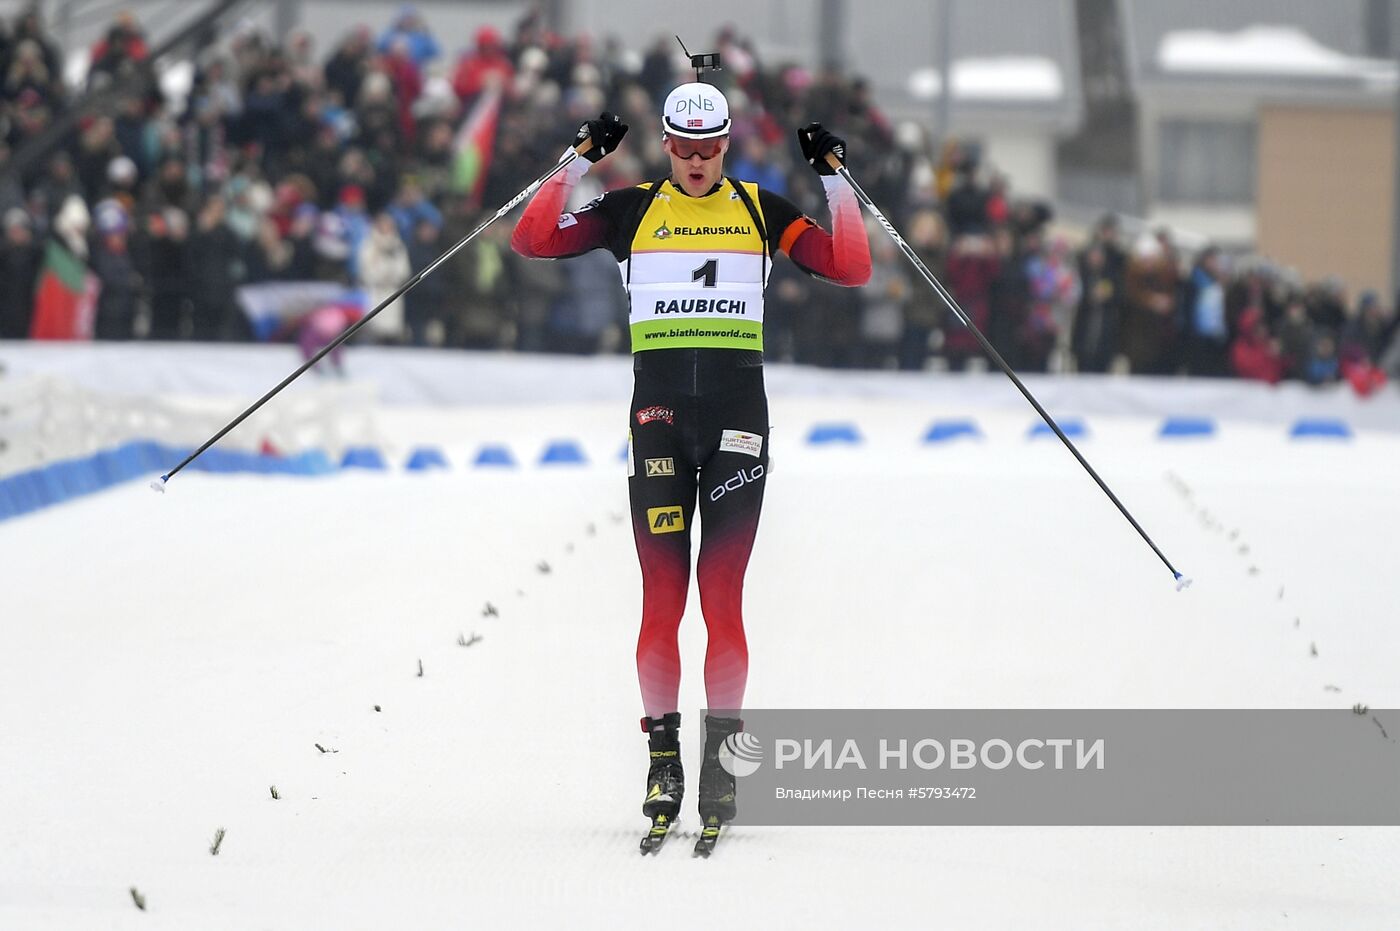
(834, 162)
(584, 146)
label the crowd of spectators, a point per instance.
(282, 163)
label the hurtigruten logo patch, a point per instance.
(662, 232)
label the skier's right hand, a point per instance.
(606, 132)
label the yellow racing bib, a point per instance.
(696, 273)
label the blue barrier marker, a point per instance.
(494, 456)
(72, 478)
(1322, 428)
(426, 457)
(1073, 428)
(941, 431)
(356, 457)
(1187, 426)
(563, 452)
(311, 462)
(825, 433)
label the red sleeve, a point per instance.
(544, 233)
(841, 256)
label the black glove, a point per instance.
(606, 132)
(816, 142)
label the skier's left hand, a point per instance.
(816, 142)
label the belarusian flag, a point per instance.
(65, 302)
(471, 150)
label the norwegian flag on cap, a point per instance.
(691, 124)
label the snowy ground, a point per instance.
(166, 660)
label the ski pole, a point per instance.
(1181, 581)
(350, 331)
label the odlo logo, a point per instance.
(740, 479)
(741, 754)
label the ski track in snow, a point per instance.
(168, 660)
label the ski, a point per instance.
(660, 827)
(708, 837)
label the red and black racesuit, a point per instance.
(691, 408)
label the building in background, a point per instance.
(1269, 124)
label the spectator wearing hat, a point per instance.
(347, 228)
(409, 29)
(1207, 343)
(382, 262)
(1094, 339)
(122, 182)
(1151, 283)
(116, 271)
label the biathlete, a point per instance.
(694, 250)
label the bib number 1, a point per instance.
(709, 273)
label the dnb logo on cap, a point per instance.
(696, 111)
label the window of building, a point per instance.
(1206, 162)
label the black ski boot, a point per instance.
(716, 784)
(665, 778)
(717, 806)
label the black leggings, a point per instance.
(699, 432)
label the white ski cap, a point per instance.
(696, 111)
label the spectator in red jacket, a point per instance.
(123, 44)
(973, 264)
(408, 85)
(475, 69)
(1254, 353)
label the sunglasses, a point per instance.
(686, 148)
